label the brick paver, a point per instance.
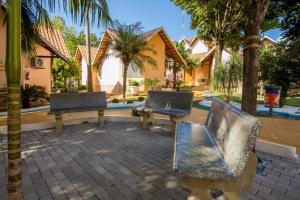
(121, 161)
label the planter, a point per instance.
(37, 103)
(134, 90)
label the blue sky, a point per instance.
(152, 14)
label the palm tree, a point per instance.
(13, 74)
(33, 13)
(28, 13)
(100, 13)
(128, 44)
(176, 66)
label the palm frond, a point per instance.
(97, 9)
(33, 14)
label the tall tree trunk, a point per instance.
(255, 12)
(124, 81)
(13, 74)
(88, 48)
(65, 83)
(218, 57)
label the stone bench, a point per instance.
(217, 154)
(175, 104)
(76, 102)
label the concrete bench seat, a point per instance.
(217, 154)
(201, 157)
(77, 102)
(170, 112)
(174, 104)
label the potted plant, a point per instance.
(134, 87)
(151, 83)
(33, 95)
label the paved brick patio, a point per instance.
(121, 162)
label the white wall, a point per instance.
(84, 72)
(111, 73)
(199, 47)
(225, 58)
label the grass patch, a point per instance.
(290, 101)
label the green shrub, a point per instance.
(129, 102)
(32, 93)
(82, 87)
(141, 98)
(134, 83)
(115, 101)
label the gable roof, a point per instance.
(170, 48)
(268, 40)
(53, 40)
(81, 52)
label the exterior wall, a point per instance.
(225, 58)
(199, 47)
(35, 76)
(29, 75)
(111, 78)
(111, 74)
(158, 71)
(200, 75)
(84, 72)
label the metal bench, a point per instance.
(76, 102)
(175, 104)
(217, 154)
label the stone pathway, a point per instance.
(121, 162)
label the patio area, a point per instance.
(121, 161)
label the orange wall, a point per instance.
(40, 77)
(200, 72)
(151, 71)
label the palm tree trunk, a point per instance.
(88, 48)
(174, 79)
(13, 74)
(124, 81)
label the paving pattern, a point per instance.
(121, 162)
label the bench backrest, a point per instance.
(69, 102)
(235, 133)
(168, 99)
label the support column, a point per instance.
(58, 121)
(146, 117)
(232, 190)
(101, 118)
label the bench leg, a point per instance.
(146, 117)
(101, 118)
(200, 194)
(58, 121)
(174, 121)
(232, 190)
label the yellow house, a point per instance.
(204, 52)
(107, 70)
(36, 70)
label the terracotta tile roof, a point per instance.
(54, 41)
(170, 48)
(82, 51)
